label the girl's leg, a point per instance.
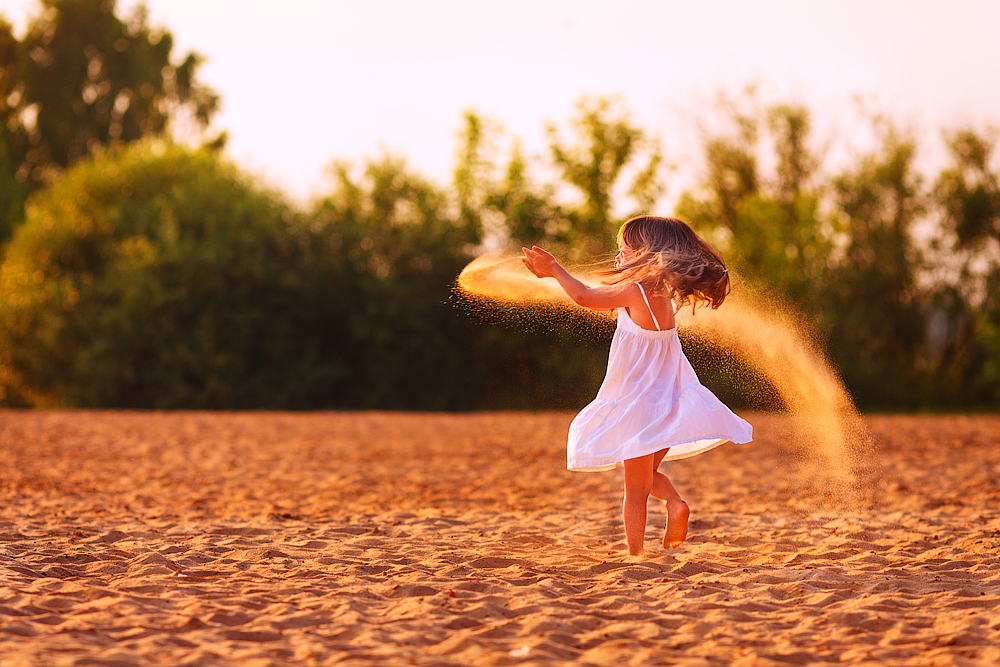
(677, 510)
(638, 482)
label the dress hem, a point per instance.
(601, 467)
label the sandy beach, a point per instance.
(132, 538)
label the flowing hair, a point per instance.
(669, 259)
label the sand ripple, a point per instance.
(369, 538)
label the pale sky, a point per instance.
(304, 82)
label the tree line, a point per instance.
(139, 272)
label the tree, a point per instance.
(606, 145)
(607, 142)
(966, 308)
(83, 78)
(874, 308)
(969, 192)
(397, 250)
(506, 210)
(13, 135)
(768, 225)
(160, 277)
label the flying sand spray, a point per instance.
(837, 452)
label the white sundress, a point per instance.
(651, 399)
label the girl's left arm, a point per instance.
(544, 265)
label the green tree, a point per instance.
(607, 142)
(551, 357)
(83, 78)
(399, 250)
(969, 191)
(520, 358)
(966, 338)
(769, 227)
(13, 135)
(606, 145)
(162, 277)
(874, 308)
(507, 209)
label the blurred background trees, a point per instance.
(82, 78)
(144, 273)
(158, 277)
(964, 315)
(907, 315)
(394, 248)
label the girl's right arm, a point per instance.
(544, 265)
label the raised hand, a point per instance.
(539, 262)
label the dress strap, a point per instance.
(643, 292)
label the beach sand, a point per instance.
(133, 538)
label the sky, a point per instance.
(305, 82)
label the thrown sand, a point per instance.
(367, 538)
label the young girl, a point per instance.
(651, 406)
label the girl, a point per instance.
(651, 406)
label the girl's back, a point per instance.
(662, 309)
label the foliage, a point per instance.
(160, 277)
(769, 228)
(83, 78)
(874, 306)
(13, 136)
(156, 276)
(400, 250)
(397, 252)
(966, 309)
(908, 323)
(968, 191)
(606, 145)
(606, 142)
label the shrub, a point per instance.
(157, 276)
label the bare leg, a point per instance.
(638, 482)
(677, 510)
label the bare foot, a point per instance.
(677, 524)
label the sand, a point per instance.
(130, 538)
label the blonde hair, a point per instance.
(671, 260)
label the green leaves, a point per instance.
(516, 209)
(166, 280)
(968, 191)
(768, 226)
(81, 79)
(905, 314)
(152, 275)
(607, 142)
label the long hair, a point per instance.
(669, 259)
